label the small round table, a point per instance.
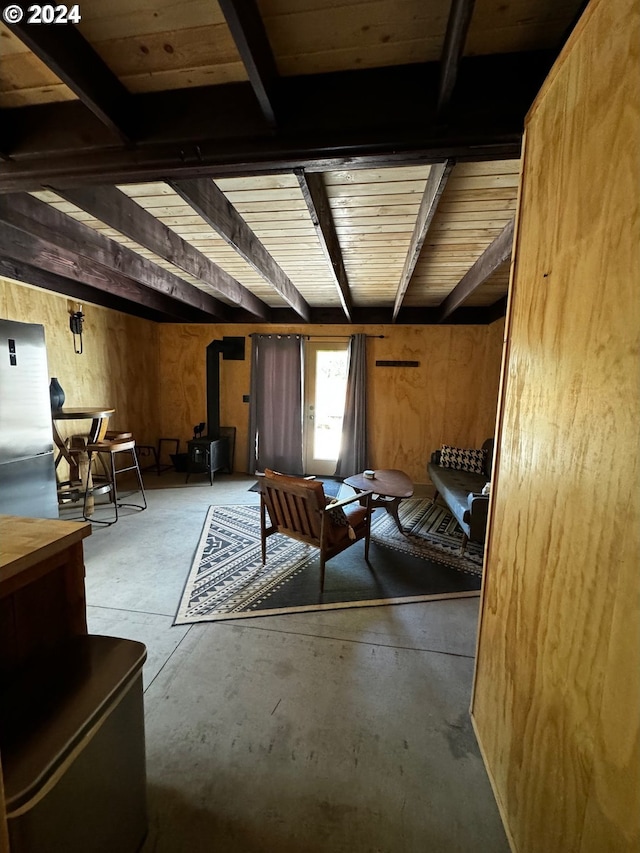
(389, 487)
(79, 462)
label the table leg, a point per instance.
(79, 444)
(391, 505)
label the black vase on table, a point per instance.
(56, 393)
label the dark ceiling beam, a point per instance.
(214, 207)
(113, 207)
(382, 316)
(159, 309)
(460, 15)
(24, 248)
(493, 256)
(63, 243)
(72, 59)
(436, 182)
(317, 201)
(248, 31)
(341, 120)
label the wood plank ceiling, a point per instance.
(277, 161)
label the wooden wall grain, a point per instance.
(557, 688)
(155, 377)
(117, 368)
(451, 397)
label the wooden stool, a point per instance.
(113, 444)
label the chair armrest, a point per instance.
(346, 501)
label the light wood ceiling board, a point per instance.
(488, 223)
(164, 203)
(102, 228)
(501, 194)
(485, 266)
(311, 38)
(282, 236)
(488, 167)
(382, 188)
(291, 205)
(384, 201)
(66, 52)
(390, 174)
(375, 283)
(375, 210)
(25, 79)
(478, 206)
(480, 214)
(462, 236)
(251, 195)
(508, 26)
(153, 46)
(256, 185)
(120, 19)
(174, 60)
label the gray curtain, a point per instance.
(275, 404)
(353, 456)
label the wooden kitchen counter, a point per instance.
(42, 597)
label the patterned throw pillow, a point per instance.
(339, 517)
(462, 460)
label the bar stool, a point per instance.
(113, 444)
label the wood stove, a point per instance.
(212, 452)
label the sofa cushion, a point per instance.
(455, 486)
(463, 459)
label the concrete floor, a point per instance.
(308, 733)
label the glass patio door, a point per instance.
(325, 385)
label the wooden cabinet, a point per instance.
(42, 598)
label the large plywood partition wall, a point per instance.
(118, 367)
(556, 701)
(451, 397)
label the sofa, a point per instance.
(459, 476)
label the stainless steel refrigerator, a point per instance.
(27, 470)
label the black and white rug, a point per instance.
(430, 531)
(228, 581)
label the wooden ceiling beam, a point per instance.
(317, 201)
(382, 316)
(248, 31)
(460, 15)
(17, 245)
(493, 256)
(113, 207)
(436, 182)
(214, 207)
(129, 300)
(328, 121)
(66, 247)
(72, 59)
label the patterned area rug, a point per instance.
(430, 531)
(228, 581)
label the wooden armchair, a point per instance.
(298, 508)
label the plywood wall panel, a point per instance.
(557, 688)
(410, 409)
(117, 368)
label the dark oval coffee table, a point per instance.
(389, 487)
